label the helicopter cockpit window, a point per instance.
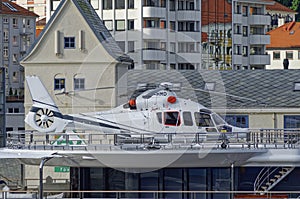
(203, 120)
(172, 118)
(218, 120)
(187, 118)
(159, 117)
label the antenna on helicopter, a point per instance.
(63, 92)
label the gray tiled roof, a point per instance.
(101, 31)
(96, 24)
(244, 89)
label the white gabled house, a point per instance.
(75, 54)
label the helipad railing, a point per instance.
(89, 140)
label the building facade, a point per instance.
(156, 34)
(236, 33)
(36, 6)
(285, 53)
(18, 26)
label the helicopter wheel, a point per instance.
(223, 145)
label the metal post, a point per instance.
(232, 180)
(43, 161)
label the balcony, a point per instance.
(154, 33)
(188, 15)
(237, 59)
(260, 59)
(189, 57)
(186, 36)
(259, 20)
(237, 38)
(260, 39)
(156, 12)
(154, 55)
(237, 18)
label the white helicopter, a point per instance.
(150, 111)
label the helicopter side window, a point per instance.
(159, 117)
(171, 118)
(203, 120)
(187, 118)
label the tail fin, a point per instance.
(39, 93)
(44, 115)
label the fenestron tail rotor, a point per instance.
(44, 118)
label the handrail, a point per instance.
(256, 138)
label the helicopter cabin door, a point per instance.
(169, 121)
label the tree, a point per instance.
(286, 3)
(296, 7)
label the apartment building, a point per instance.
(156, 34)
(18, 27)
(36, 6)
(236, 34)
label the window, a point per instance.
(245, 51)
(237, 9)
(299, 54)
(209, 86)
(79, 83)
(120, 25)
(28, 23)
(151, 23)
(297, 86)
(163, 45)
(172, 118)
(130, 24)
(5, 35)
(5, 20)
(108, 24)
(237, 29)
(238, 120)
(289, 54)
(180, 5)
(187, 118)
(69, 42)
(172, 47)
(5, 51)
(15, 40)
(245, 10)
(15, 22)
(186, 66)
(203, 120)
(237, 50)
(245, 31)
(172, 25)
(15, 58)
(107, 4)
(130, 3)
(172, 5)
(130, 46)
(59, 83)
(276, 55)
(120, 4)
(151, 44)
(162, 24)
(291, 121)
